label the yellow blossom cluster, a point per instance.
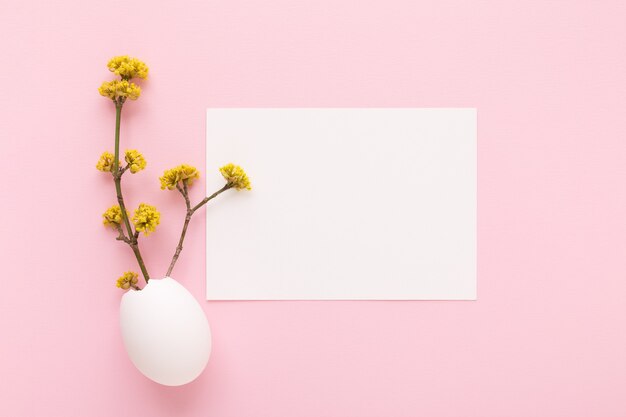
(105, 163)
(236, 176)
(172, 177)
(146, 218)
(129, 279)
(117, 89)
(112, 217)
(128, 67)
(135, 160)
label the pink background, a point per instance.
(547, 336)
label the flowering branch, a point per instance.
(146, 217)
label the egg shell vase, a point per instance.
(165, 332)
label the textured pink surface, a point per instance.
(548, 334)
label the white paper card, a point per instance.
(347, 204)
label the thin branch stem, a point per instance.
(190, 211)
(185, 192)
(228, 186)
(117, 178)
(122, 236)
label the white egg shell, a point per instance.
(165, 332)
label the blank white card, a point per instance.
(346, 204)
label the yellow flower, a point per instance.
(120, 89)
(146, 218)
(105, 163)
(172, 177)
(135, 160)
(113, 217)
(236, 176)
(129, 279)
(128, 67)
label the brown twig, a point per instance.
(124, 169)
(190, 211)
(131, 240)
(122, 236)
